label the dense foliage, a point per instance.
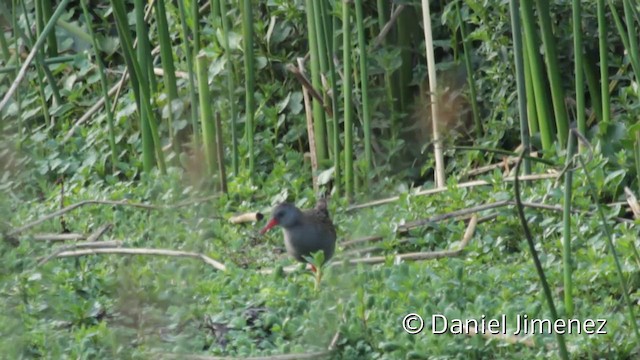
(137, 306)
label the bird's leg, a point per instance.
(318, 277)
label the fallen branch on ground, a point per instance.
(443, 189)
(59, 237)
(458, 213)
(82, 245)
(142, 251)
(246, 217)
(418, 256)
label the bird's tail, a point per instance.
(321, 204)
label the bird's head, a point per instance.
(285, 215)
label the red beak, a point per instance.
(270, 224)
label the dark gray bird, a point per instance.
(305, 231)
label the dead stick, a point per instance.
(414, 224)
(83, 245)
(59, 237)
(437, 218)
(403, 241)
(246, 217)
(443, 189)
(487, 168)
(468, 234)
(99, 232)
(298, 72)
(387, 27)
(310, 130)
(142, 251)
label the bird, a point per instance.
(305, 231)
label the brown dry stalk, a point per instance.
(443, 189)
(418, 256)
(143, 251)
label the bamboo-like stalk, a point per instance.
(169, 78)
(323, 49)
(516, 34)
(364, 88)
(470, 79)
(532, 118)
(332, 48)
(604, 63)
(310, 129)
(247, 33)
(206, 115)
(553, 72)
(632, 49)
(318, 113)
(141, 91)
(383, 19)
(431, 66)
(537, 76)
(104, 86)
(634, 54)
(34, 50)
(52, 42)
(195, 26)
(346, 94)
(42, 70)
(592, 75)
(42, 98)
(567, 262)
(578, 52)
(188, 54)
(143, 51)
(216, 13)
(231, 86)
(405, 72)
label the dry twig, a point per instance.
(143, 251)
(443, 189)
(418, 256)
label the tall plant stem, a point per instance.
(431, 65)
(364, 88)
(520, 80)
(318, 113)
(346, 94)
(249, 84)
(231, 86)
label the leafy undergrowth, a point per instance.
(140, 307)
